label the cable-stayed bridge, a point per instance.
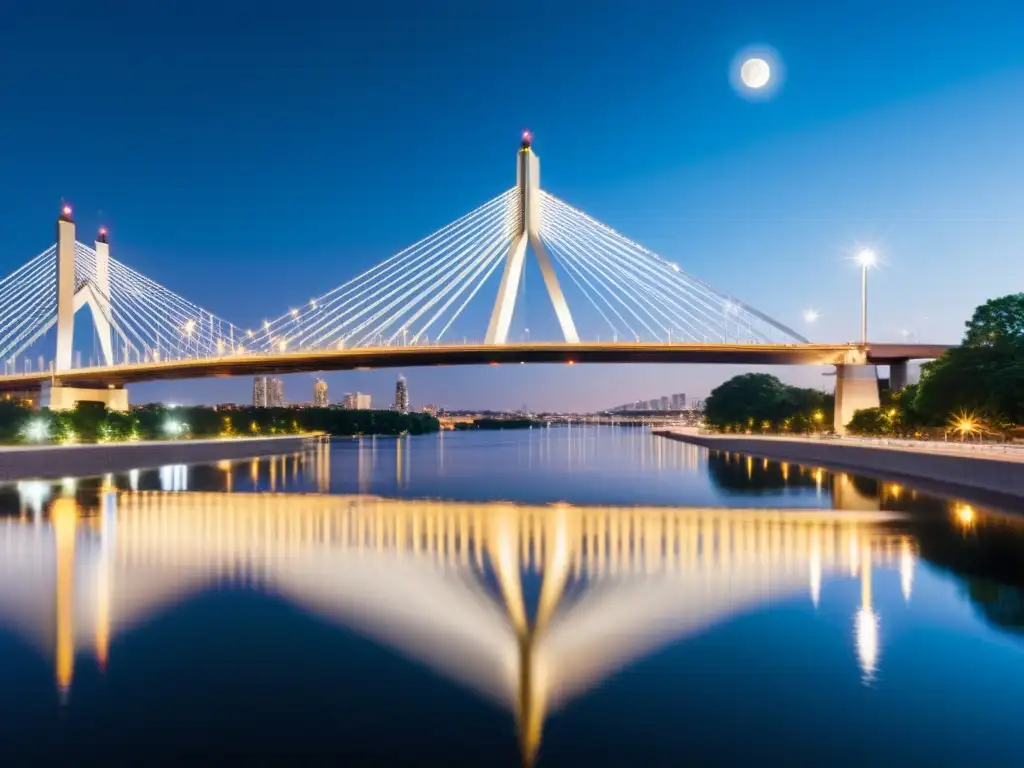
(627, 305)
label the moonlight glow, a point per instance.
(755, 73)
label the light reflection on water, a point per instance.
(530, 607)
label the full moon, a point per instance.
(755, 73)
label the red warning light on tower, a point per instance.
(66, 211)
(527, 140)
(102, 235)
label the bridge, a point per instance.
(441, 583)
(631, 305)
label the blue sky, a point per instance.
(252, 156)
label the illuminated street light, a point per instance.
(37, 430)
(867, 259)
(174, 428)
(967, 424)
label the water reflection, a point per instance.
(528, 606)
(443, 583)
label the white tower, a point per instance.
(65, 288)
(528, 180)
(71, 297)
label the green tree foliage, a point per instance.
(996, 321)
(870, 421)
(761, 402)
(13, 419)
(92, 422)
(985, 375)
(898, 416)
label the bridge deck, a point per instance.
(472, 354)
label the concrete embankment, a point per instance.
(54, 461)
(996, 477)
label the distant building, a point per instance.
(679, 402)
(401, 395)
(664, 404)
(356, 401)
(259, 392)
(275, 393)
(431, 409)
(320, 394)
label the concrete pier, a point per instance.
(56, 461)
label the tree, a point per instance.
(987, 381)
(13, 418)
(748, 399)
(870, 421)
(996, 321)
(753, 400)
(985, 376)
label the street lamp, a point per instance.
(866, 258)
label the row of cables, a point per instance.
(414, 297)
(152, 323)
(640, 296)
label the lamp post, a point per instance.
(866, 258)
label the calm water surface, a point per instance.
(586, 596)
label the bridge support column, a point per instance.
(856, 389)
(60, 398)
(898, 376)
(65, 289)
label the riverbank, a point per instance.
(46, 462)
(989, 477)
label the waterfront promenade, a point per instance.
(21, 462)
(945, 468)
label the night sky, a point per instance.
(251, 156)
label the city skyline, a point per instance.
(765, 200)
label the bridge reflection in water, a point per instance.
(442, 583)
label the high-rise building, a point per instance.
(401, 395)
(275, 393)
(320, 394)
(259, 392)
(356, 401)
(664, 404)
(679, 402)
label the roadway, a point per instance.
(366, 358)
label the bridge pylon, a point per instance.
(528, 226)
(74, 292)
(75, 289)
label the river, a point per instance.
(559, 597)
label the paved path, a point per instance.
(949, 469)
(997, 451)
